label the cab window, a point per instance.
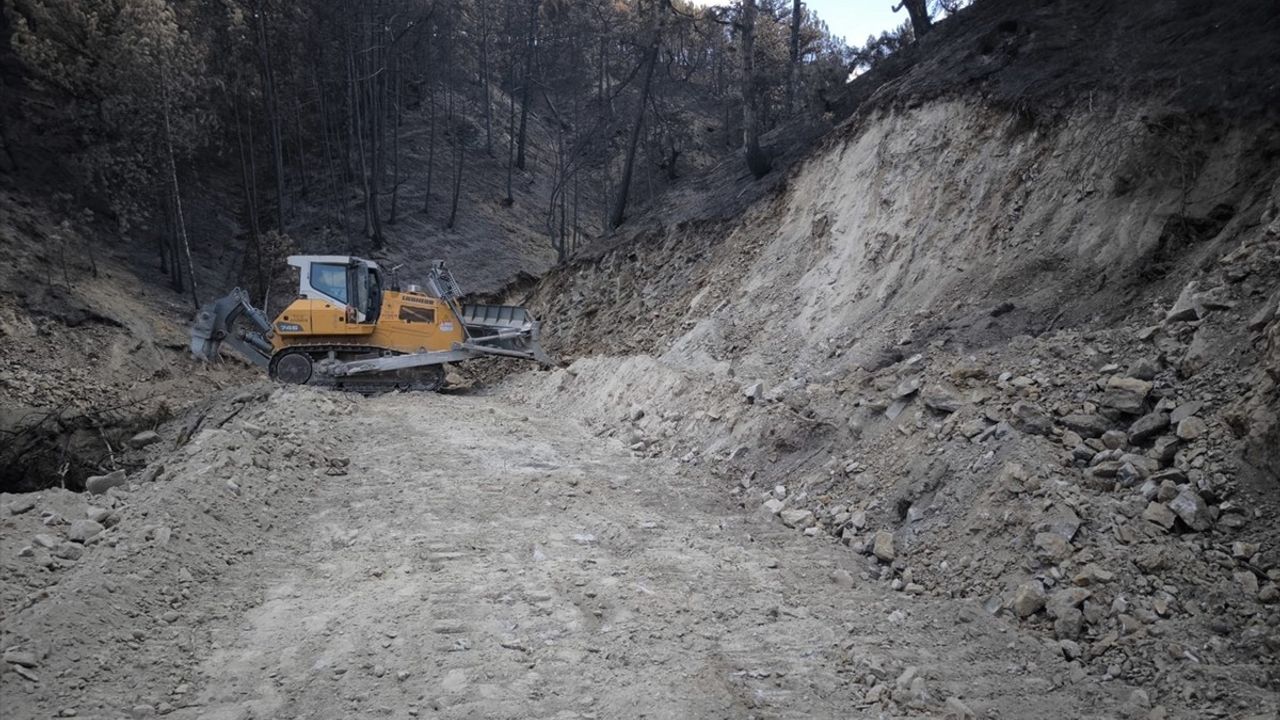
(330, 279)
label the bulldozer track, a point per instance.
(425, 379)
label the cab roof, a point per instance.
(299, 261)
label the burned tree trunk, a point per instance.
(628, 166)
(758, 161)
(919, 12)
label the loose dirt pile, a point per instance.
(996, 364)
(102, 588)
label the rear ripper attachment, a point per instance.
(348, 330)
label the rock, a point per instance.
(1147, 427)
(1028, 599)
(1205, 347)
(1061, 521)
(1052, 547)
(1030, 419)
(1115, 439)
(895, 409)
(47, 542)
(973, 428)
(773, 506)
(1068, 624)
(1269, 593)
(858, 519)
(955, 709)
(1144, 369)
(1065, 600)
(797, 518)
(940, 400)
(1128, 395)
(82, 531)
(842, 578)
(753, 392)
(1091, 574)
(1243, 550)
(22, 504)
(1184, 411)
(1263, 317)
(1190, 507)
(142, 711)
(1070, 649)
(99, 484)
(144, 438)
(69, 551)
(1088, 425)
(1248, 583)
(24, 658)
(1191, 428)
(1139, 698)
(1164, 449)
(1160, 514)
(1186, 307)
(906, 388)
(882, 547)
(1149, 489)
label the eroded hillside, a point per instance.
(970, 408)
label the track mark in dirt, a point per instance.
(475, 563)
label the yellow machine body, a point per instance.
(409, 322)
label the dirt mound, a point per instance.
(94, 576)
(1029, 364)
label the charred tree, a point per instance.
(758, 160)
(526, 82)
(619, 213)
(919, 12)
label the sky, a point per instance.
(856, 19)
(853, 20)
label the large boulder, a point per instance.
(99, 484)
(1128, 395)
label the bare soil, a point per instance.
(473, 558)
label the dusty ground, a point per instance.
(481, 560)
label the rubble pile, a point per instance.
(1088, 485)
(134, 548)
(1107, 487)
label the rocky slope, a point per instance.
(1031, 364)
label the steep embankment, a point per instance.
(1030, 362)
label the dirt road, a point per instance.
(482, 560)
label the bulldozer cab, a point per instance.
(351, 282)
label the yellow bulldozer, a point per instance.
(353, 328)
